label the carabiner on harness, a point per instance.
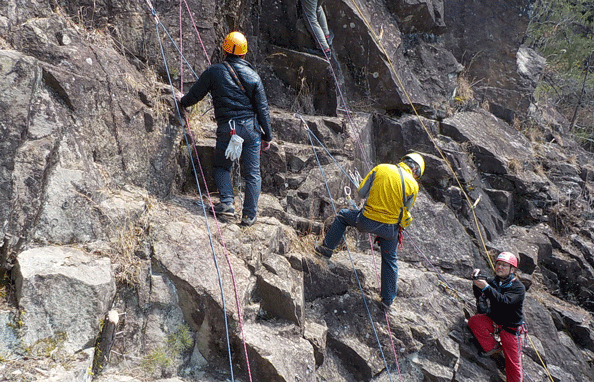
(347, 192)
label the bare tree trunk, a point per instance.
(579, 103)
(105, 342)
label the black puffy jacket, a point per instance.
(506, 301)
(229, 101)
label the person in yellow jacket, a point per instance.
(391, 191)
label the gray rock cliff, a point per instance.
(98, 212)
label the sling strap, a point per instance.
(235, 78)
(238, 83)
(403, 195)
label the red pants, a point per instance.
(483, 329)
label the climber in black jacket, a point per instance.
(500, 303)
(240, 108)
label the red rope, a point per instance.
(377, 277)
(196, 29)
(225, 250)
(226, 253)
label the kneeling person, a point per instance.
(500, 303)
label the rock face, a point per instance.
(62, 293)
(310, 75)
(72, 119)
(475, 37)
(98, 212)
(419, 16)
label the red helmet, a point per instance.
(508, 257)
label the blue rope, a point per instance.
(203, 206)
(344, 103)
(327, 152)
(178, 50)
(352, 262)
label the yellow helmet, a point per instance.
(418, 160)
(235, 43)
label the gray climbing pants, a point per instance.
(316, 22)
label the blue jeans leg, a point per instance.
(250, 163)
(222, 173)
(388, 234)
(388, 240)
(344, 219)
(316, 21)
(389, 248)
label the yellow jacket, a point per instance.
(383, 189)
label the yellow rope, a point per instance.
(541, 361)
(470, 203)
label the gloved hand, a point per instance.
(178, 97)
(233, 151)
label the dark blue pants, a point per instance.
(388, 240)
(248, 129)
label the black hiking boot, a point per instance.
(223, 209)
(322, 252)
(247, 222)
(385, 307)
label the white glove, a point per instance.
(233, 151)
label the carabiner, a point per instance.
(232, 127)
(303, 123)
(347, 191)
(355, 177)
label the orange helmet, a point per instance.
(235, 43)
(508, 257)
